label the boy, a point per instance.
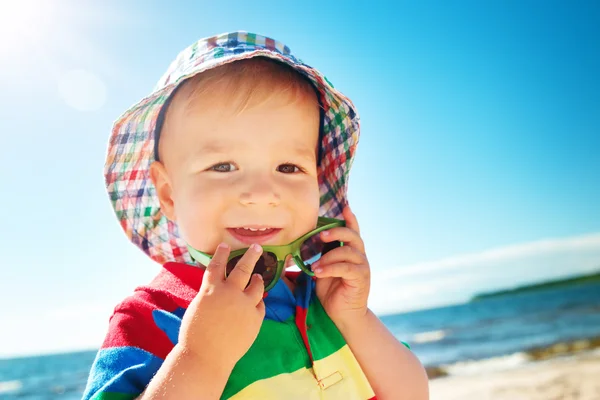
(241, 150)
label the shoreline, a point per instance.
(530, 356)
(565, 377)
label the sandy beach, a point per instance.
(568, 378)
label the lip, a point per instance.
(259, 239)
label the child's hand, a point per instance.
(225, 317)
(343, 274)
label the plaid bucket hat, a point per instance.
(132, 148)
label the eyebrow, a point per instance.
(217, 147)
(305, 152)
(213, 147)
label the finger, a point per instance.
(350, 218)
(344, 234)
(215, 270)
(243, 270)
(341, 254)
(256, 289)
(347, 271)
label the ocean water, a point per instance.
(500, 328)
(61, 376)
(493, 333)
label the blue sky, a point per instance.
(478, 164)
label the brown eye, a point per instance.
(288, 168)
(223, 167)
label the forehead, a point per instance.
(275, 123)
(259, 106)
(215, 126)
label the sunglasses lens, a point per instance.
(266, 266)
(314, 248)
(231, 264)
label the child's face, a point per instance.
(223, 171)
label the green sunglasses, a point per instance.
(272, 261)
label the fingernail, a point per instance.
(315, 267)
(256, 247)
(325, 233)
(223, 246)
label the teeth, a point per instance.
(255, 229)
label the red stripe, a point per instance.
(211, 43)
(270, 43)
(293, 275)
(132, 323)
(181, 280)
(301, 324)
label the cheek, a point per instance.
(200, 197)
(306, 197)
(197, 207)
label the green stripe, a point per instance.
(194, 49)
(113, 396)
(278, 349)
(323, 336)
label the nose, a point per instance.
(260, 190)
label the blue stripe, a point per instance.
(122, 370)
(280, 303)
(304, 290)
(169, 323)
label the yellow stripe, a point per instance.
(344, 362)
(339, 377)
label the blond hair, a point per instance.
(247, 83)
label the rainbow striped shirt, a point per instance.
(298, 354)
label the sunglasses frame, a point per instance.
(281, 251)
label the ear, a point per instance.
(164, 191)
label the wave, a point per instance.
(500, 363)
(471, 367)
(531, 355)
(10, 386)
(427, 337)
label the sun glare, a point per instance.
(48, 41)
(23, 23)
